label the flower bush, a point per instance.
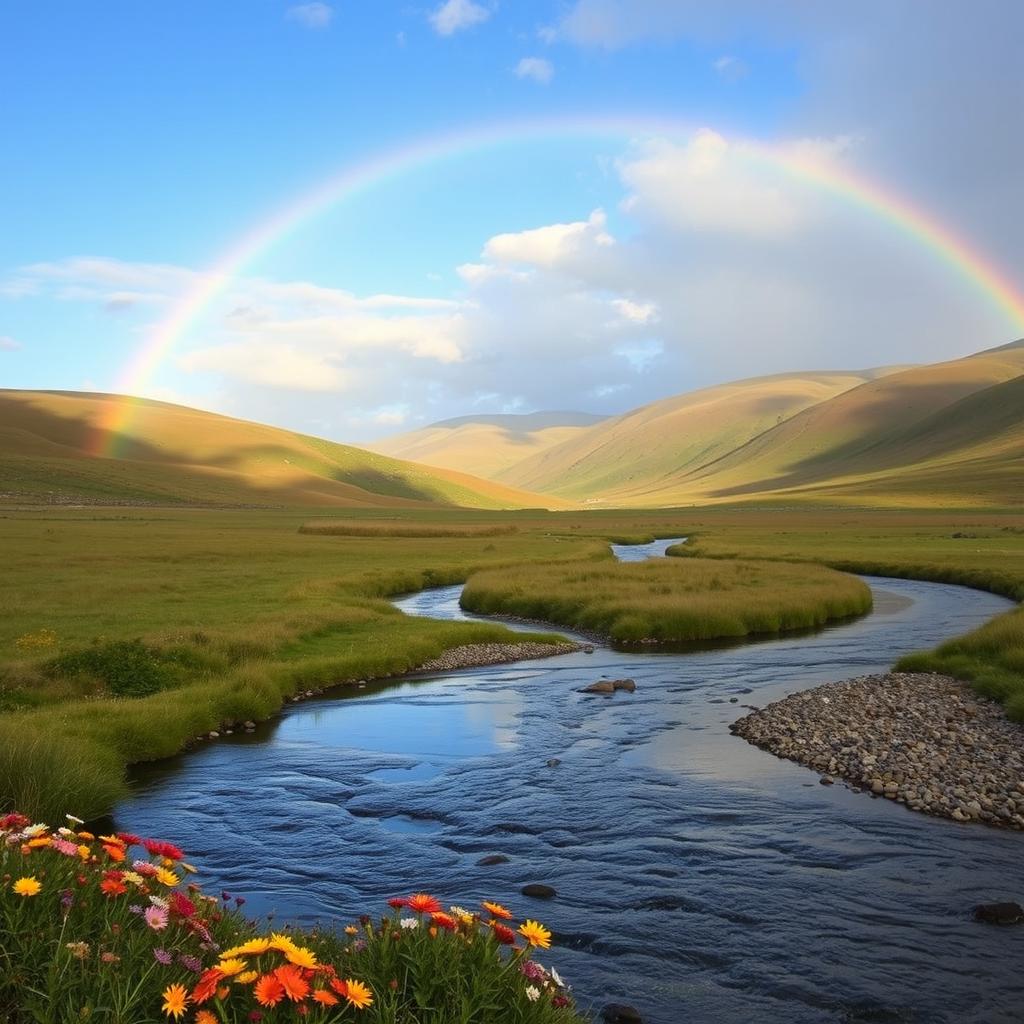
(113, 928)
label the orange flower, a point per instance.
(268, 991)
(504, 935)
(497, 910)
(39, 841)
(421, 903)
(339, 986)
(175, 1000)
(446, 921)
(207, 984)
(114, 852)
(325, 998)
(296, 988)
(113, 886)
(205, 1017)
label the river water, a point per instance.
(699, 878)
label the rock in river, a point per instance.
(999, 913)
(491, 859)
(538, 891)
(619, 1013)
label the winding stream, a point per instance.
(699, 878)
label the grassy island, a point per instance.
(666, 601)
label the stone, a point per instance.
(538, 891)
(554, 762)
(213, 735)
(601, 686)
(620, 1013)
(628, 685)
(491, 859)
(999, 913)
(827, 780)
(249, 725)
(588, 649)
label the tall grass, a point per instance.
(671, 601)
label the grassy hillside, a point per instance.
(173, 454)
(945, 432)
(623, 459)
(486, 445)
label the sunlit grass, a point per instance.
(671, 601)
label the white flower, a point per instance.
(33, 830)
(532, 993)
(159, 903)
(556, 979)
(409, 922)
(74, 820)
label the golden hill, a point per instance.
(648, 450)
(485, 445)
(170, 453)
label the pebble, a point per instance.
(920, 739)
(476, 655)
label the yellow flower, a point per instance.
(134, 877)
(351, 929)
(247, 977)
(231, 966)
(301, 957)
(175, 1000)
(168, 878)
(205, 1017)
(86, 835)
(84, 851)
(535, 934)
(28, 886)
(251, 948)
(358, 994)
(282, 943)
(38, 842)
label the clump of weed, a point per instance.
(127, 668)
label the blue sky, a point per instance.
(586, 270)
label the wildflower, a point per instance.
(282, 943)
(324, 998)
(559, 1001)
(158, 901)
(497, 910)
(533, 971)
(397, 902)
(87, 836)
(134, 877)
(161, 956)
(351, 929)
(301, 957)
(129, 839)
(207, 984)
(295, 986)
(27, 886)
(34, 830)
(79, 950)
(84, 852)
(39, 842)
(65, 847)
(110, 958)
(462, 914)
(71, 818)
(231, 966)
(421, 903)
(409, 922)
(251, 948)
(358, 994)
(268, 991)
(205, 1017)
(115, 853)
(181, 905)
(175, 1001)
(504, 935)
(556, 978)
(532, 993)
(190, 963)
(535, 934)
(166, 877)
(113, 886)
(444, 920)
(168, 851)
(67, 900)
(156, 918)
(144, 868)
(247, 977)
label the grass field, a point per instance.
(665, 601)
(234, 610)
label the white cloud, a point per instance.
(551, 245)
(456, 15)
(636, 312)
(312, 15)
(274, 365)
(390, 415)
(709, 184)
(731, 68)
(535, 68)
(8, 344)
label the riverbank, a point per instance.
(478, 655)
(923, 740)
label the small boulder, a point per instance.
(538, 891)
(601, 686)
(619, 1013)
(249, 725)
(628, 685)
(999, 913)
(554, 762)
(491, 859)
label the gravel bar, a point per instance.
(476, 655)
(923, 740)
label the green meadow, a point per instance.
(126, 633)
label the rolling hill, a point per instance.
(486, 445)
(174, 454)
(651, 448)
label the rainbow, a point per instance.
(921, 226)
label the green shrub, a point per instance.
(127, 668)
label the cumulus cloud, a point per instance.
(8, 344)
(551, 245)
(455, 15)
(311, 15)
(537, 69)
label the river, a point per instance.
(699, 879)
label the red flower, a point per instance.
(421, 903)
(181, 905)
(397, 902)
(14, 821)
(158, 848)
(129, 839)
(296, 988)
(113, 886)
(340, 987)
(446, 921)
(559, 1001)
(268, 991)
(504, 935)
(207, 984)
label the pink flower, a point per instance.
(63, 846)
(156, 918)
